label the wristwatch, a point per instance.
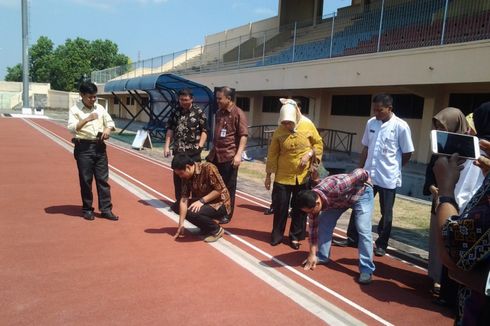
(450, 200)
(202, 201)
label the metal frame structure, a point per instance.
(162, 90)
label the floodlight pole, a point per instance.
(26, 108)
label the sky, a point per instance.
(141, 28)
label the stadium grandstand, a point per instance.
(429, 54)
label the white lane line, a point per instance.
(304, 297)
(265, 254)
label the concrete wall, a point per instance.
(248, 29)
(40, 95)
(306, 11)
(38, 88)
(61, 100)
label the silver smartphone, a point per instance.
(448, 143)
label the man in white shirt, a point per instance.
(387, 146)
(91, 125)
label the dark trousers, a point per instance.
(205, 219)
(386, 203)
(229, 174)
(92, 162)
(196, 157)
(282, 197)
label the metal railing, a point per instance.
(333, 140)
(260, 136)
(381, 25)
(336, 140)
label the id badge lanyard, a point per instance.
(223, 131)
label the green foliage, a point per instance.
(64, 66)
(41, 60)
(14, 73)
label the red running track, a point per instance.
(58, 268)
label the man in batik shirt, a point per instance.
(205, 198)
(187, 130)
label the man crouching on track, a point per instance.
(205, 197)
(325, 203)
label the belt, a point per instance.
(85, 141)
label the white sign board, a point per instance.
(141, 140)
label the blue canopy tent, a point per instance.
(162, 92)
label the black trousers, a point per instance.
(386, 203)
(205, 219)
(92, 162)
(196, 157)
(229, 173)
(282, 197)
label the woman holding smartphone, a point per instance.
(451, 120)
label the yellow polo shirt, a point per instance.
(287, 148)
(90, 129)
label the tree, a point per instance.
(14, 73)
(72, 61)
(63, 66)
(41, 60)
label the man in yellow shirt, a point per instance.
(91, 125)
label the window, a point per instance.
(116, 100)
(468, 102)
(408, 106)
(243, 103)
(145, 101)
(128, 101)
(305, 103)
(351, 105)
(271, 103)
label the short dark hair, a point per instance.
(228, 92)
(383, 98)
(87, 88)
(185, 92)
(180, 161)
(306, 199)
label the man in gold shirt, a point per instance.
(91, 125)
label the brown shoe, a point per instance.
(215, 237)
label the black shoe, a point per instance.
(224, 220)
(344, 243)
(88, 215)
(269, 211)
(380, 252)
(275, 243)
(294, 244)
(110, 216)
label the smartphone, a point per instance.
(448, 143)
(99, 135)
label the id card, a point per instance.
(223, 133)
